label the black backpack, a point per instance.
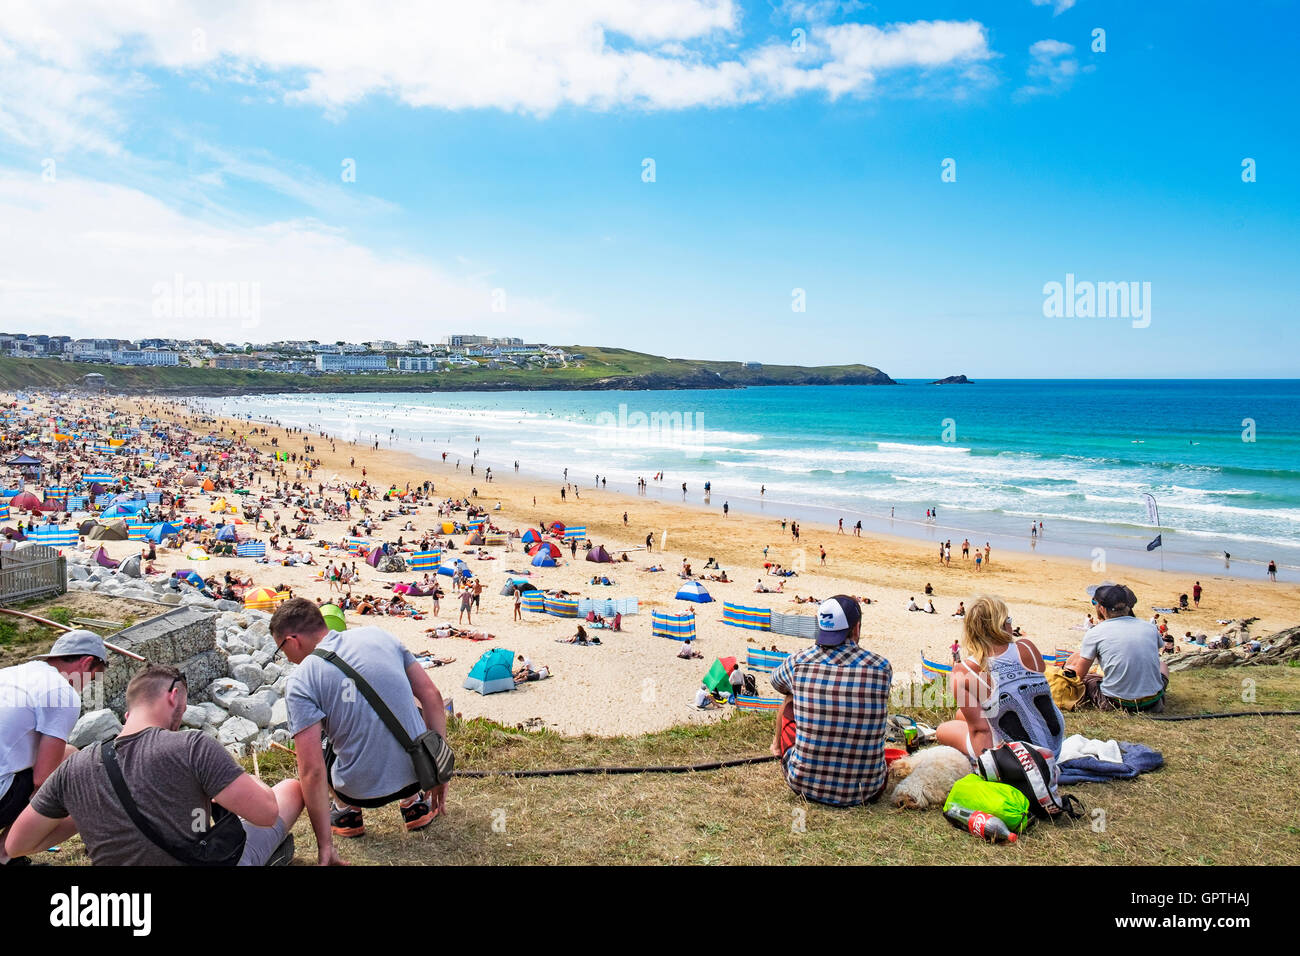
(1033, 771)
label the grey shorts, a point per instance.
(260, 842)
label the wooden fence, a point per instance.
(34, 572)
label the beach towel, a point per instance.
(1137, 759)
(1077, 745)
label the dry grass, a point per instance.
(1225, 796)
(20, 638)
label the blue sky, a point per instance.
(499, 148)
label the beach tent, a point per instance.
(694, 591)
(86, 526)
(448, 527)
(25, 501)
(333, 615)
(208, 485)
(130, 566)
(103, 560)
(227, 533)
(557, 529)
(375, 555)
(190, 480)
(543, 561)
(531, 537)
(522, 584)
(716, 679)
(113, 531)
(545, 547)
(190, 576)
(475, 539)
(197, 554)
(158, 532)
(493, 673)
(599, 554)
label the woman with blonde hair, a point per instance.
(1000, 688)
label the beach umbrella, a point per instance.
(333, 615)
(544, 547)
(694, 591)
(264, 599)
(158, 532)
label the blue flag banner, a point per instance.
(1154, 544)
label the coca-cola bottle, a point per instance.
(983, 825)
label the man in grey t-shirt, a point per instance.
(365, 766)
(172, 776)
(1128, 649)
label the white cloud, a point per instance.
(1051, 68)
(1058, 6)
(87, 258)
(521, 55)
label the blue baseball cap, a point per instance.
(836, 617)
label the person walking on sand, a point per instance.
(823, 551)
(841, 526)
(1196, 594)
(649, 542)
(1272, 571)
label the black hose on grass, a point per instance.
(1235, 713)
(577, 771)
(767, 758)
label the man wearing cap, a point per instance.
(40, 702)
(831, 730)
(1128, 649)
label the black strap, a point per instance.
(108, 753)
(390, 720)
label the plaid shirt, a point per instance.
(841, 702)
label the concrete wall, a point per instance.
(184, 637)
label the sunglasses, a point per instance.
(178, 680)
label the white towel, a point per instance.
(1080, 746)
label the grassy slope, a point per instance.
(1225, 796)
(599, 364)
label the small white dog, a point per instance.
(923, 779)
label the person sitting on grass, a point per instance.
(364, 764)
(173, 776)
(830, 731)
(1000, 688)
(1128, 648)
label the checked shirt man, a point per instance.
(831, 731)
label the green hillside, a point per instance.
(599, 368)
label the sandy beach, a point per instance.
(634, 682)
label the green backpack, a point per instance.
(1000, 799)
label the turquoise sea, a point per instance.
(1222, 458)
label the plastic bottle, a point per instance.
(984, 825)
